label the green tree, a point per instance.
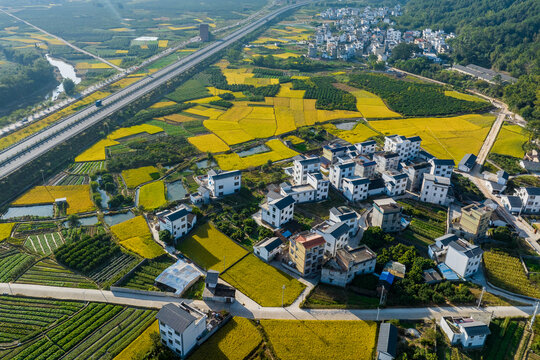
(403, 51)
(69, 86)
(73, 220)
(166, 237)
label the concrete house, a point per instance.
(339, 171)
(415, 174)
(355, 188)
(181, 327)
(268, 248)
(406, 148)
(530, 198)
(306, 253)
(346, 215)
(442, 167)
(386, 161)
(467, 163)
(467, 332)
(366, 148)
(512, 203)
(365, 167)
(341, 269)
(303, 166)
(336, 235)
(395, 182)
(277, 209)
(222, 183)
(178, 222)
(387, 215)
(474, 221)
(435, 189)
(458, 254)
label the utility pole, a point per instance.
(481, 296)
(378, 311)
(223, 270)
(283, 296)
(533, 316)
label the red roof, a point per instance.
(310, 241)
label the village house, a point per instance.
(178, 222)
(341, 269)
(386, 214)
(181, 327)
(435, 189)
(306, 252)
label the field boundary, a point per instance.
(143, 292)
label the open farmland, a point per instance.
(505, 271)
(370, 105)
(77, 196)
(44, 244)
(463, 96)
(445, 137)
(135, 236)
(87, 167)
(136, 177)
(5, 230)
(233, 161)
(262, 282)
(152, 195)
(361, 132)
(97, 151)
(299, 340)
(208, 143)
(210, 248)
(510, 141)
(21, 318)
(138, 348)
(49, 273)
(235, 341)
(96, 330)
(13, 263)
(144, 277)
(114, 268)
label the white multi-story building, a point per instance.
(221, 183)
(320, 184)
(386, 214)
(178, 222)
(442, 167)
(304, 166)
(395, 183)
(365, 167)
(336, 235)
(471, 334)
(181, 327)
(367, 147)
(341, 269)
(435, 189)
(415, 173)
(277, 210)
(346, 215)
(339, 171)
(386, 161)
(530, 199)
(355, 188)
(406, 148)
(458, 254)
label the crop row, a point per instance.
(88, 167)
(12, 265)
(73, 180)
(112, 268)
(430, 230)
(114, 336)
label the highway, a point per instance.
(15, 157)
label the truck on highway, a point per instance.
(99, 103)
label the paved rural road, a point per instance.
(254, 311)
(32, 147)
(64, 41)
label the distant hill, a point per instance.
(503, 34)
